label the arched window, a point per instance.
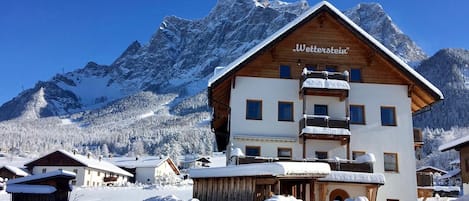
(338, 195)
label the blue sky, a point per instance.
(39, 39)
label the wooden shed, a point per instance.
(256, 181)
(51, 186)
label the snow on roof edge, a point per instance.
(30, 189)
(41, 176)
(16, 170)
(303, 16)
(454, 143)
(431, 167)
(313, 169)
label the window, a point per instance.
(357, 114)
(356, 154)
(74, 182)
(89, 171)
(388, 116)
(99, 173)
(75, 171)
(321, 155)
(44, 170)
(284, 152)
(355, 75)
(253, 151)
(254, 109)
(285, 111)
(390, 162)
(285, 72)
(320, 110)
(331, 68)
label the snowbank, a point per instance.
(282, 198)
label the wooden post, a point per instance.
(277, 187)
(311, 191)
(304, 147)
(322, 191)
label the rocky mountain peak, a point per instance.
(373, 19)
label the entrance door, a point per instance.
(338, 195)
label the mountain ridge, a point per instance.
(166, 78)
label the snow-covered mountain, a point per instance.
(158, 88)
(448, 69)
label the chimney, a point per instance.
(100, 157)
(74, 151)
(88, 155)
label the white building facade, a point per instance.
(341, 96)
(90, 172)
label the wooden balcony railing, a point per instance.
(110, 179)
(323, 121)
(325, 75)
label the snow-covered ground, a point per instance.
(134, 193)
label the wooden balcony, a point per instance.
(350, 166)
(323, 83)
(324, 127)
(110, 179)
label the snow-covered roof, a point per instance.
(319, 83)
(92, 163)
(145, 162)
(454, 143)
(431, 167)
(222, 72)
(279, 169)
(450, 174)
(441, 188)
(354, 177)
(325, 131)
(237, 152)
(41, 176)
(30, 189)
(16, 171)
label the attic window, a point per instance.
(355, 75)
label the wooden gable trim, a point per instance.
(56, 158)
(269, 46)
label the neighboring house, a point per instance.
(148, 169)
(89, 171)
(11, 172)
(194, 162)
(51, 186)
(322, 89)
(430, 183)
(461, 145)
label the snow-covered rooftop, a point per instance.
(300, 19)
(454, 143)
(280, 169)
(16, 171)
(354, 177)
(451, 173)
(30, 189)
(94, 163)
(319, 83)
(144, 162)
(441, 188)
(41, 176)
(431, 167)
